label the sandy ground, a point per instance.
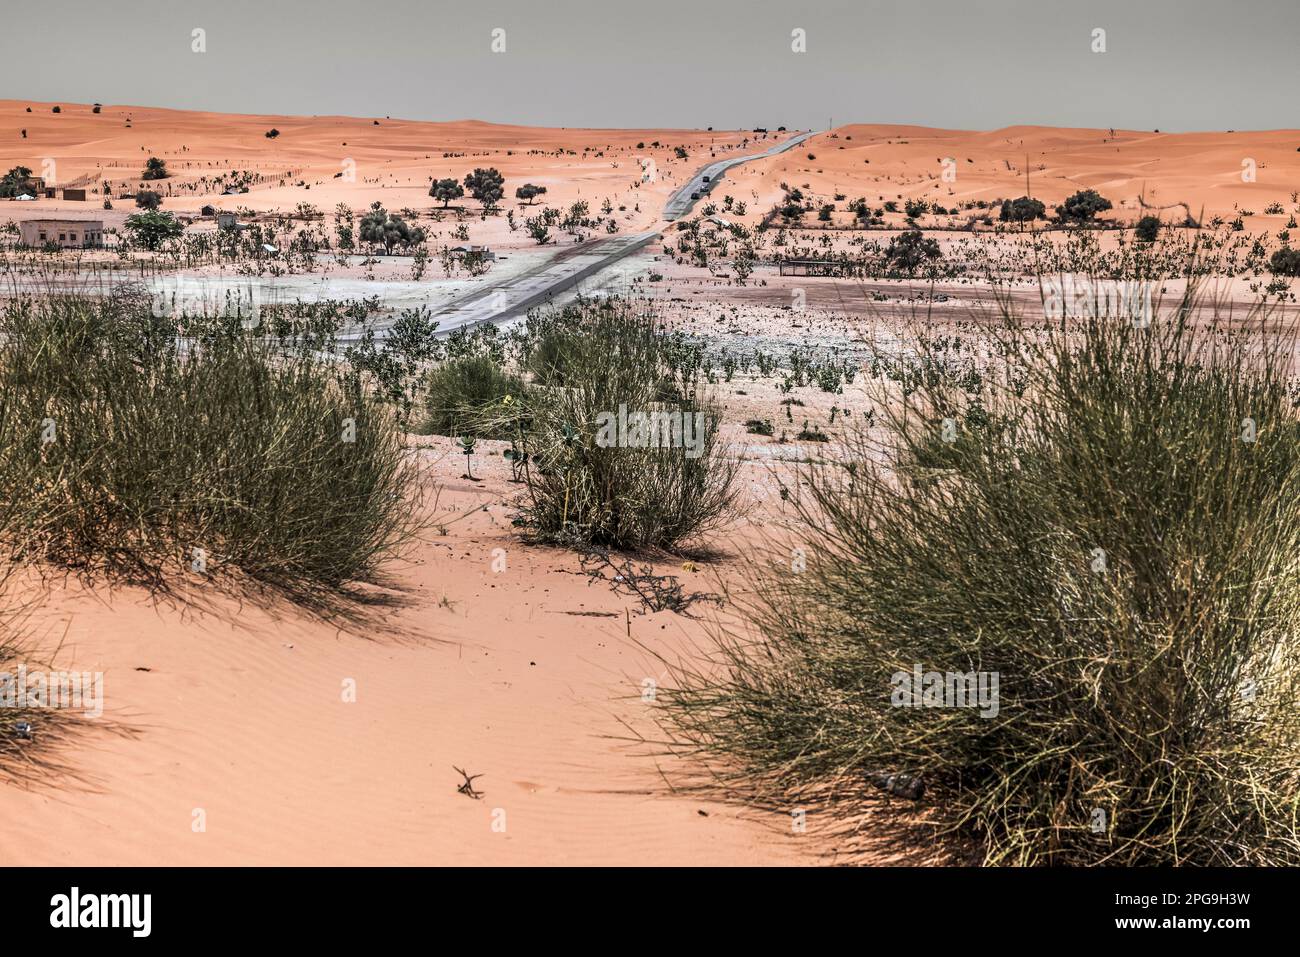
(1219, 173)
(326, 160)
(530, 676)
(526, 676)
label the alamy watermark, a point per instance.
(178, 296)
(658, 429)
(919, 688)
(55, 689)
(1071, 297)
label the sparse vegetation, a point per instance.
(1082, 207)
(1111, 534)
(155, 168)
(133, 451)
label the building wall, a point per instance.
(68, 234)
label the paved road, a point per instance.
(571, 265)
(680, 202)
(513, 297)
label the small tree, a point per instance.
(486, 185)
(1285, 262)
(1083, 206)
(343, 226)
(15, 181)
(272, 133)
(446, 190)
(151, 228)
(147, 199)
(910, 250)
(528, 192)
(538, 229)
(155, 168)
(1147, 229)
(1022, 210)
(378, 226)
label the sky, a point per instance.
(1173, 65)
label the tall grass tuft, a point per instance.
(590, 361)
(1113, 529)
(134, 449)
(464, 394)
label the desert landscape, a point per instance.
(474, 494)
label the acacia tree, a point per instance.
(486, 185)
(911, 249)
(379, 226)
(446, 190)
(154, 168)
(147, 199)
(151, 228)
(528, 192)
(1083, 206)
(1023, 210)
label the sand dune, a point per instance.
(1203, 170)
(327, 160)
(523, 676)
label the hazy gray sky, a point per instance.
(974, 64)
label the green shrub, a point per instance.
(468, 396)
(1285, 262)
(129, 448)
(1083, 206)
(1147, 229)
(594, 360)
(1115, 540)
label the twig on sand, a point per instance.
(656, 592)
(467, 788)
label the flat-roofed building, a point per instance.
(64, 233)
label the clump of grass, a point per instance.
(592, 359)
(759, 426)
(465, 394)
(134, 450)
(811, 434)
(1115, 536)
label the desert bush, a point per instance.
(134, 450)
(592, 361)
(910, 250)
(1083, 206)
(1285, 262)
(19, 723)
(1022, 210)
(151, 228)
(382, 228)
(155, 168)
(468, 395)
(1112, 536)
(1147, 229)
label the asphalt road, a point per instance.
(680, 202)
(569, 266)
